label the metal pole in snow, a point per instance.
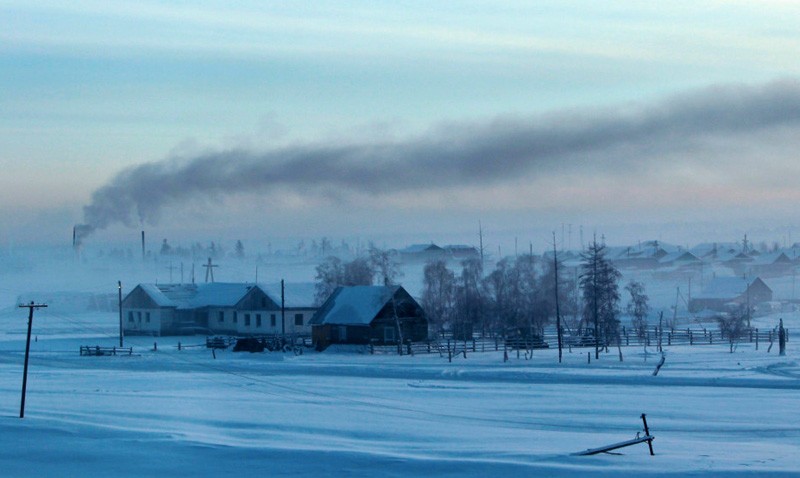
(119, 293)
(30, 308)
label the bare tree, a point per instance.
(384, 265)
(638, 308)
(358, 272)
(733, 326)
(330, 275)
(438, 293)
(333, 273)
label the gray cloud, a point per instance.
(456, 154)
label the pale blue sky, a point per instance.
(88, 88)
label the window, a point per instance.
(272, 321)
(298, 319)
(235, 318)
(258, 320)
(130, 316)
(247, 320)
(147, 317)
(388, 334)
(221, 316)
(139, 316)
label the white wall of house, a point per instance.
(259, 322)
(144, 321)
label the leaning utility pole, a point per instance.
(30, 308)
(558, 313)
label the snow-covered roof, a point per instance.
(194, 296)
(679, 256)
(355, 305)
(459, 247)
(417, 248)
(159, 296)
(297, 295)
(770, 258)
(726, 288)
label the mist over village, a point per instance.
(399, 239)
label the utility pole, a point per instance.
(480, 238)
(30, 308)
(558, 313)
(283, 310)
(210, 270)
(119, 292)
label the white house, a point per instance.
(218, 308)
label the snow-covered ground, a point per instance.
(184, 413)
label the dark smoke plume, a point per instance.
(456, 154)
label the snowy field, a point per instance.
(184, 413)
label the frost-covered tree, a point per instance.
(384, 265)
(470, 305)
(638, 308)
(438, 294)
(599, 286)
(733, 326)
(358, 272)
(330, 275)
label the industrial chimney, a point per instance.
(144, 256)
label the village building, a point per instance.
(724, 294)
(369, 314)
(461, 252)
(218, 308)
(773, 264)
(422, 252)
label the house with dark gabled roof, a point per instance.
(724, 294)
(771, 264)
(369, 314)
(422, 252)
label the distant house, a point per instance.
(422, 252)
(726, 293)
(364, 314)
(461, 252)
(217, 308)
(770, 264)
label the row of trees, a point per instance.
(333, 272)
(519, 297)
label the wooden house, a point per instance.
(215, 308)
(422, 252)
(369, 314)
(724, 294)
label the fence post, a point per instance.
(179, 345)
(756, 339)
(669, 338)
(449, 352)
(691, 339)
(473, 345)
(589, 357)
(781, 339)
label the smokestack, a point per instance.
(143, 254)
(74, 237)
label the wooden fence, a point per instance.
(100, 351)
(652, 337)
